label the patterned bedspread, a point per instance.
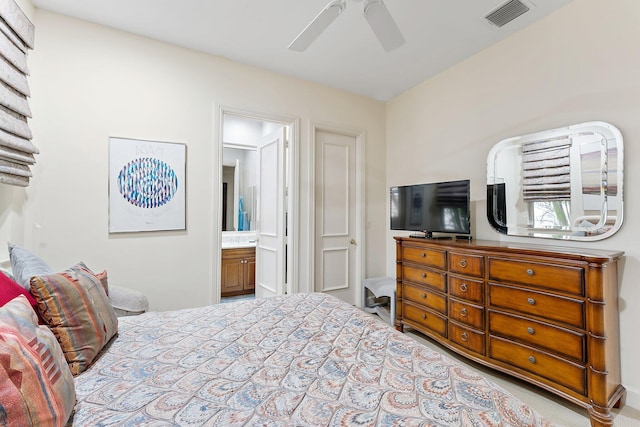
(300, 360)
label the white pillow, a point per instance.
(25, 265)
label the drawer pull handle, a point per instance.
(532, 359)
(463, 287)
(464, 337)
(530, 330)
(424, 295)
(463, 263)
(463, 312)
(531, 301)
(424, 316)
(424, 275)
(423, 255)
(530, 272)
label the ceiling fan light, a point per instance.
(383, 25)
(317, 26)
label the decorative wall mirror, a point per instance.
(563, 183)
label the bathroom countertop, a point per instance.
(238, 245)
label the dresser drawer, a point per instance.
(557, 340)
(426, 298)
(429, 257)
(467, 338)
(468, 289)
(561, 278)
(425, 276)
(552, 307)
(425, 318)
(467, 264)
(553, 368)
(468, 314)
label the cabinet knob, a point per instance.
(423, 254)
(424, 316)
(424, 275)
(531, 301)
(463, 263)
(463, 312)
(530, 330)
(464, 337)
(530, 272)
(532, 359)
(463, 287)
(424, 296)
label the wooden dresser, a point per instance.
(544, 314)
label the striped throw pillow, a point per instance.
(36, 385)
(77, 309)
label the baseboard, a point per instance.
(633, 400)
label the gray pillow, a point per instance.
(24, 265)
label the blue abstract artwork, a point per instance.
(147, 182)
(147, 185)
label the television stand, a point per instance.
(544, 314)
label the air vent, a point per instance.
(507, 13)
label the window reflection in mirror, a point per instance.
(564, 183)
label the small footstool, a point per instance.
(380, 287)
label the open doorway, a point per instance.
(257, 220)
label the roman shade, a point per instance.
(16, 150)
(546, 170)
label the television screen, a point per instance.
(441, 207)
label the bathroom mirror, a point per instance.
(564, 183)
(239, 180)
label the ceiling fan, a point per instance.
(374, 11)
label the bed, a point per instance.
(297, 360)
(303, 360)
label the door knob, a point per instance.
(353, 241)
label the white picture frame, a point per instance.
(147, 186)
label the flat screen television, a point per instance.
(439, 207)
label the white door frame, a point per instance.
(360, 137)
(293, 195)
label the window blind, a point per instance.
(546, 170)
(16, 149)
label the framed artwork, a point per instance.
(147, 190)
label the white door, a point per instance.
(336, 246)
(270, 228)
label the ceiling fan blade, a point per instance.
(382, 24)
(317, 26)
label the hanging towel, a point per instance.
(240, 217)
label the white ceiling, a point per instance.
(439, 33)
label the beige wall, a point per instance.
(579, 64)
(89, 83)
